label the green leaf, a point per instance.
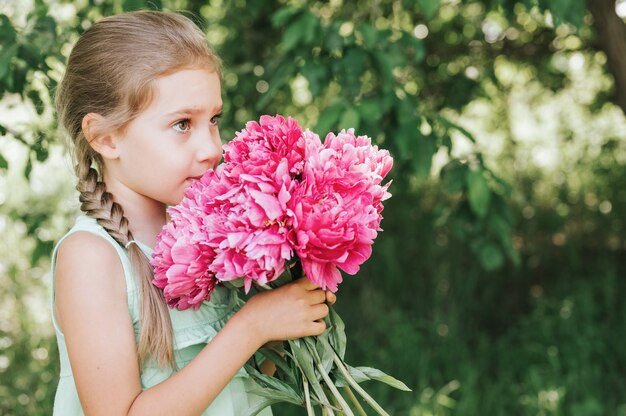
(428, 7)
(370, 111)
(310, 23)
(28, 168)
(423, 155)
(361, 374)
(479, 194)
(315, 73)
(413, 145)
(284, 71)
(133, 5)
(6, 56)
(274, 357)
(385, 69)
(333, 40)
(503, 230)
(259, 406)
(406, 111)
(301, 29)
(328, 118)
(17, 82)
(40, 148)
(451, 125)
(490, 256)
(354, 61)
(31, 55)
(7, 31)
(419, 52)
(284, 14)
(338, 337)
(350, 119)
(292, 36)
(324, 350)
(275, 387)
(275, 394)
(565, 11)
(42, 249)
(454, 176)
(404, 139)
(305, 361)
(369, 35)
(500, 227)
(44, 33)
(4, 164)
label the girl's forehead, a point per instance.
(197, 89)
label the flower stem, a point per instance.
(307, 397)
(342, 402)
(354, 400)
(358, 388)
(329, 409)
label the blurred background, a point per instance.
(496, 287)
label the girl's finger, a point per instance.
(306, 283)
(330, 297)
(319, 311)
(317, 327)
(317, 296)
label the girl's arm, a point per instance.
(92, 310)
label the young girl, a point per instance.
(141, 101)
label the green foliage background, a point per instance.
(496, 287)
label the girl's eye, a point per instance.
(215, 119)
(184, 126)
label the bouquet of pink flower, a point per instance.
(283, 201)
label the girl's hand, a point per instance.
(267, 366)
(294, 310)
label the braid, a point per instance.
(97, 203)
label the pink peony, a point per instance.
(337, 207)
(181, 260)
(260, 147)
(245, 223)
(281, 190)
(358, 154)
(248, 229)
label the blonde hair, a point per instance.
(111, 71)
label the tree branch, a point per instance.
(611, 32)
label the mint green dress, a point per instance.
(193, 329)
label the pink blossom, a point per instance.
(358, 154)
(337, 207)
(280, 190)
(181, 260)
(248, 228)
(259, 148)
(244, 221)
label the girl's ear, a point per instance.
(101, 141)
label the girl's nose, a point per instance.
(210, 148)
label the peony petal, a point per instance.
(269, 203)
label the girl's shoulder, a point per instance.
(88, 242)
(87, 245)
(88, 261)
(87, 274)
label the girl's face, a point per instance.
(175, 140)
